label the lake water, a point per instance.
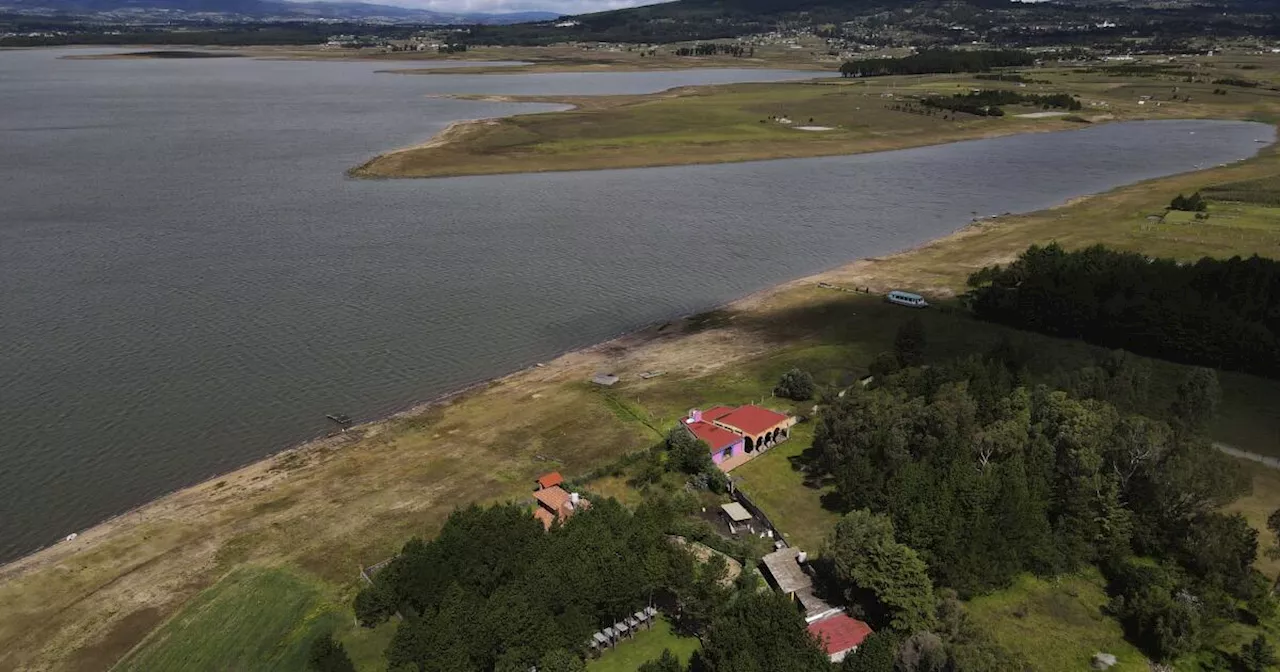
(190, 282)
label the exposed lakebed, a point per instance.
(190, 281)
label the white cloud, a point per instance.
(504, 6)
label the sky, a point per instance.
(502, 6)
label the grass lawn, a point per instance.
(1056, 624)
(254, 619)
(775, 483)
(645, 646)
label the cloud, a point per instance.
(504, 6)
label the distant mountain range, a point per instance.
(256, 10)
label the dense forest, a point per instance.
(1220, 313)
(988, 102)
(972, 477)
(937, 61)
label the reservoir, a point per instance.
(189, 281)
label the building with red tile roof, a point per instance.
(550, 479)
(840, 634)
(737, 434)
(556, 503)
(752, 420)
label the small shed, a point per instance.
(736, 515)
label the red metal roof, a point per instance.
(840, 633)
(752, 420)
(548, 480)
(718, 438)
(716, 412)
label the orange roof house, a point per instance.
(554, 502)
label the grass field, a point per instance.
(774, 482)
(1057, 624)
(254, 619)
(645, 646)
(744, 122)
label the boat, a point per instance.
(340, 418)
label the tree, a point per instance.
(909, 344)
(374, 605)
(560, 660)
(1196, 404)
(877, 653)
(885, 364)
(796, 384)
(922, 652)
(328, 655)
(761, 632)
(1257, 655)
(667, 662)
(868, 560)
(688, 454)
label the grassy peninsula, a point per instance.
(280, 543)
(832, 116)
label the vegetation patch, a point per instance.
(253, 619)
(645, 646)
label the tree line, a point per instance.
(1220, 313)
(939, 61)
(987, 102)
(962, 475)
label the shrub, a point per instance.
(796, 384)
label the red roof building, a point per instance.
(751, 420)
(840, 634)
(718, 438)
(716, 412)
(548, 480)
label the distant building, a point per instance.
(738, 434)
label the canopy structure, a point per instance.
(736, 512)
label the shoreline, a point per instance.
(637, 337)
(640, 336)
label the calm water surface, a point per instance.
(189, 282)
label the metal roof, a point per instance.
(736, 512)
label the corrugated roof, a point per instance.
(752, 420)
(840, 633)
(786, 572)
(718, 438)
(551, 479)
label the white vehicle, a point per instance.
(907, 299)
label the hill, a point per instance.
(906, 22)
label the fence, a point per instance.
(740, 496)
